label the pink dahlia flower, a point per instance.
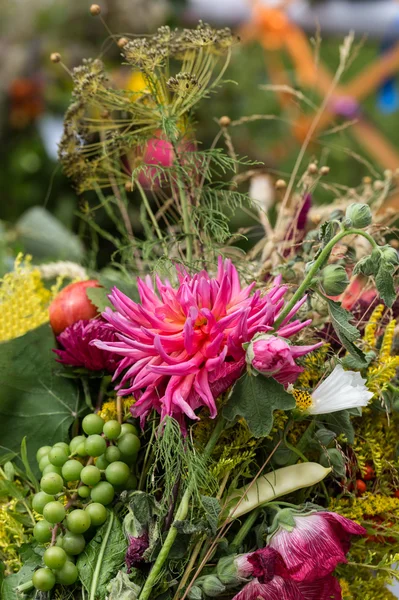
(279, 588)
(182, 348)
(275, 357)
(78, 350)
(315, 545)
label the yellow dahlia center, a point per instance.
(303, 399)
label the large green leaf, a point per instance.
(102, 558)
(255, 398)
(34, 401)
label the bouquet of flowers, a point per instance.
(194, 421)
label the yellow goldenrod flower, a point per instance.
(12, 536)
(371, 327)
(108, 410)
(387, 341)
(24, 299)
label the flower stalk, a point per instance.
(324, 254)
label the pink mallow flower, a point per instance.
(315, 543)
(78, 350)
(279, 588)
(182, 348)
(274, 357)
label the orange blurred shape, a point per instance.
(26, 101)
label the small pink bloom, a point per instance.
(182, 347)
(315, 546)
(78, 350)
(279, 588)
(274, 357)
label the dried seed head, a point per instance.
(394, 244)
(128, 186)
(312, 169)
(367, 180)
(55, 57)
(95, 10)
(280, 184)
(224, 121)
(122, 42)
(324, 170)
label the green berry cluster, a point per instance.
(74, 492)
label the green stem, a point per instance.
(96, 574)
(180, 515)
(303, 442)
(324, 254)
(245, 529)
(152, 217)
(24, 587)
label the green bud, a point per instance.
(389, 254)
(121, 588)
(195, 593)
(227, 570)
(9, 471)
(334, 280)
(359, 214)
(212, 586)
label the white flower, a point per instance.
(341, 390)
(262, 192)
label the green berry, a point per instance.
(42, 532)
(117, 473)
(68, 574)
(78, 521)
(128, 428)
(40, 500)
(98, 513)
(75, 442)
(92, 424)
(58, 456)
(84, 491)
(102, 462)
(90, 475)
(112, 430)
(129, 444)
(54, 557)
(112, 454)
(43, 451)
(73, 543)
(52, 469)
(52, 483)
(95, 445)
(131, 483)
(103, 493)
(62, 445)
(54, 512)
(81, 449)
(44, 462)
(71, 470)
(43, 579)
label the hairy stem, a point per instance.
(324, 254)
(180, 515)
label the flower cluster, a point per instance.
(183, 348)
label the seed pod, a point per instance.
(359, 215)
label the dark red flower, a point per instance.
(279, 588)
(134, 554)
(78, 350)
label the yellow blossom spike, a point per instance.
(24, 299)
(387, 341)
(371, 328)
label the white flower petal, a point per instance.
(341, 390)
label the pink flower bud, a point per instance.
(272, 356)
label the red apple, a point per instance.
(72, 304)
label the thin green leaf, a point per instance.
(29, 472)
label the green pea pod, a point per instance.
(273, 485)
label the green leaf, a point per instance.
(352, 362)
(368, 265)
(346, 332)
(34, 402)
(44, 236)
(339, 422)
(325, 436)
(212, 511)
(31, 559)
(121, 588)
(384, 282)
(29, 472)
(99, 297)
(255, 398)
(102, 558)
(340, 319)
(333, 458)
